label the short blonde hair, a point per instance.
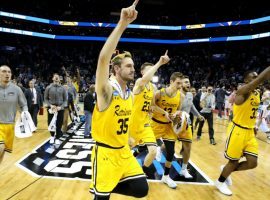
(116, 60)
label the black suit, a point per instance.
(32, 106)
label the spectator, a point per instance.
(34, 101)
(208, 105)
(89, 103)
(55, 98)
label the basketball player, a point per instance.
(114, 167)
(241, 131)
(169, 99)
(140, 129)
(10, 96)
(186, 137)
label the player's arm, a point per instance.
(22, 100)
(156, 108)
(147, 77)
(78, 78)
(244, 90)
(103, 88)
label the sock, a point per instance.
(167, 171)
(221, 179)
(184, 166)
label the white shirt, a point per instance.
(34, 92)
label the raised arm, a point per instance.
(140, 83)
(103, 88)
(78, 76)
(245, 89)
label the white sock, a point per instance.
(184, 166)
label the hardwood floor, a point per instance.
(252, 184)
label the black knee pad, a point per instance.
(169, 150)
(141, 190)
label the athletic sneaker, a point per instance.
(167, 180)
(57, 141)
(228, 181)
(223, 188)
(51, 140)
(186, 174)
(212, 141)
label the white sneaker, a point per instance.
(159, 154)
(186, 174)
(167, 180)
(57, 141)
(223, 188)
(51, 140)
(228, 181)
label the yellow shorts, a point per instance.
(111, 166)
(145, 137)
(164, 131)
(7, 136)
(240, 141)
(186, 136)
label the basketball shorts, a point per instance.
(145, 137)
(111, 166)
(164, 131)
(240, 141)
(7, 136)
(186, 136)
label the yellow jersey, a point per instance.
(140, 111)
(111, 126)
(169, 104)
(245, 114)
(76, 85)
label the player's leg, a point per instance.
(169, 145)
(186, 156)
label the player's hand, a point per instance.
(167, 116)
(129, 14)
(164, 59)
(131, 142)
(201, 118)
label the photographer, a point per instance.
(207, 103)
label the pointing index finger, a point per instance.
(166, 53)
(135, 3)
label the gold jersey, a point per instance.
(111, 126)
(245, 114)
(76, 85)
(140, 111)
(169, 104)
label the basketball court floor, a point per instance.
(37, 170)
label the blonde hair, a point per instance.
(116, 60)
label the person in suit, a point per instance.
(34, 101)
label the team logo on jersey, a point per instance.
(121, 112)
(72, 160)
